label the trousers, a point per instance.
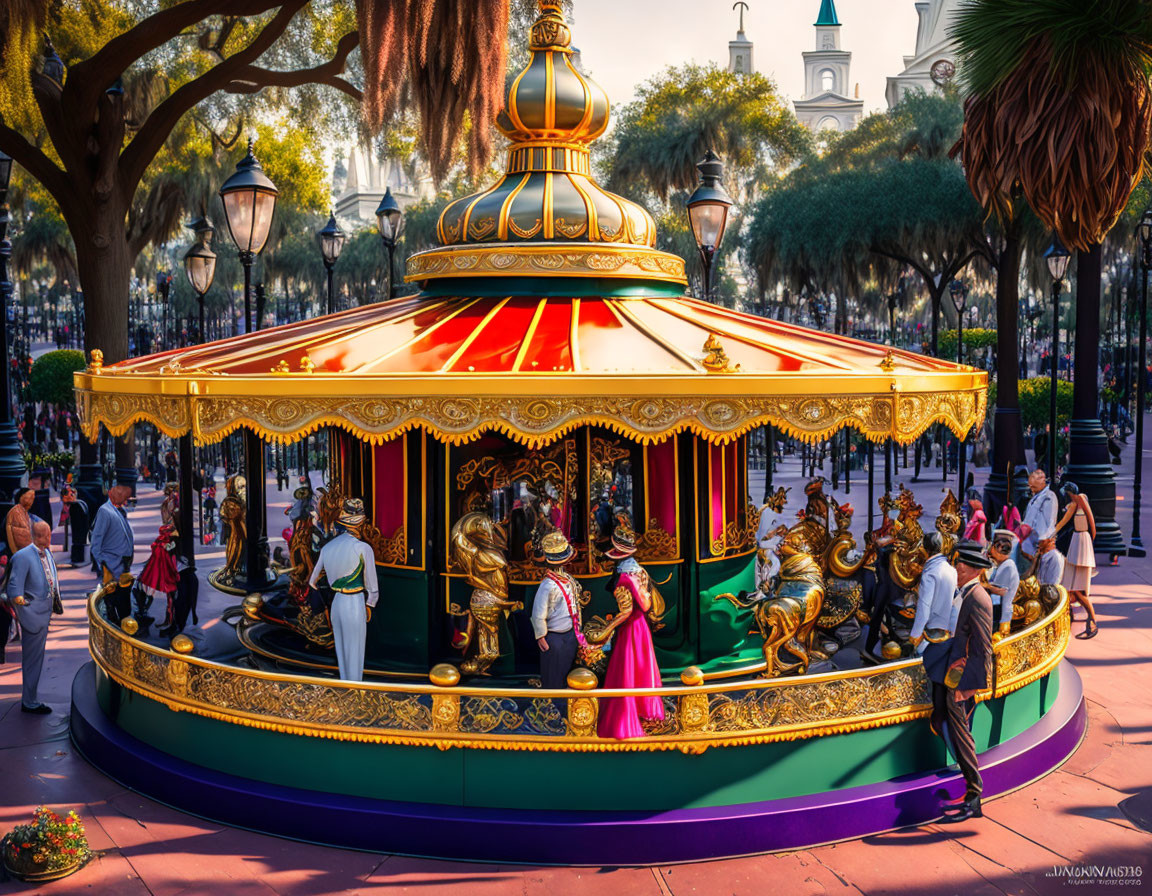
(556, 662)
(952, 719)
(32, 663)
(350, 628)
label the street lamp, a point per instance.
(390, 219)
(708, 213)
(331, 241)
(200, 264)
(1144, 232)
(958, 290)
(1057, 257)
(11, 458)
(249, 201)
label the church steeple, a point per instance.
(828, 102)
(740, 49)
(827, 14)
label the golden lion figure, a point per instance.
(787, 617)
(478, 547)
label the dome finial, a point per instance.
(550, 31)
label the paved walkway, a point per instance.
(1069, 817)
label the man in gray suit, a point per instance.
(112, 541)
(33, 586)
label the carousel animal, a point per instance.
(768, 533)
(846, 581)
(786, 612)
(478, 548)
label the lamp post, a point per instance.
(249, 200)
(11, 459)
(200, 264)
(331, 241)
(1057, 258)
(390, 220)
(1144, 232)
(708, 208)
(958, 290)
(163, 287)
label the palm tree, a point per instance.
(1058, 112)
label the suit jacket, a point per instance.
(27, 580)
(111, 537)
(972, 641)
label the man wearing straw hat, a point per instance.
(556, 614)
(351, 569)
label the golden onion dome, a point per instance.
(547, 198)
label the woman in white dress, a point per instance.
(1080, 564)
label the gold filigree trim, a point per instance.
(533, 420)
(697, 717)
(564, 260)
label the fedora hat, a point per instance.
(557, 550)
(302, 492)
(969, 553)
(352, 514)
(623, 542)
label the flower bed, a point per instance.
(48, 847)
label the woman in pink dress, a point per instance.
(632, 663)
(977, 521)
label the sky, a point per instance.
(625, 42)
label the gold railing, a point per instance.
(696, 717)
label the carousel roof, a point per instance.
(555, 314)
(535, 367)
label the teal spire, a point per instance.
(827, 13)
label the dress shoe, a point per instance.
(39, 709)
(967, 809)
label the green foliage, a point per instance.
(976, 339)
(51, 377)
(682, 113)
(993, 35)
(1036, 402)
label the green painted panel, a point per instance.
(605, 781)
(724, 628)
(398, 630)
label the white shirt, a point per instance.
(1006, 576)
(935, 597)
(1050, 569)
(340, 557)
(1040, 515)
(550, 609)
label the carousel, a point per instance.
(552, 383)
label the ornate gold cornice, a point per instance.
(719, 714)
(552, 260)
(285, 414)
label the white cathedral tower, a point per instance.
(827, 103)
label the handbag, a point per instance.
(57, 605)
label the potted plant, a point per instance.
(47, 848)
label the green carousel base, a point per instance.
(560, 807)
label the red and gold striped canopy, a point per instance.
(535, 367)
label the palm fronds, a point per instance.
(1058, 107)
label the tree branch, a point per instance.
(254, 79)
(155, 130)
(36, 163)
(88, 78)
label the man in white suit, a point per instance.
(32, 588)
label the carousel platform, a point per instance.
(737, 768)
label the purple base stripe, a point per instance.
(566, 838)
